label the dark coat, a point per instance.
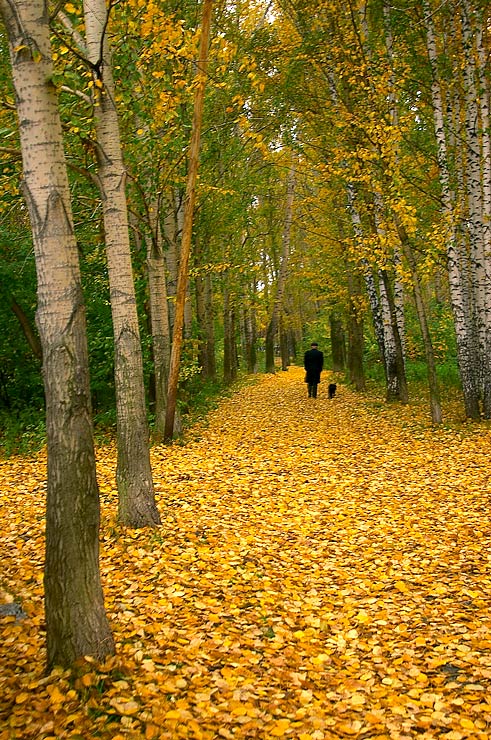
(313, 362)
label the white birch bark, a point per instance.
(137, 506)
(459, 299)
(476, 216)
(370, 285)
(76, 623)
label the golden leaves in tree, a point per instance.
(322, 572)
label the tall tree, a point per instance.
(187, 231)
(137, 506)
(76, 623)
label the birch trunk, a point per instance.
(76, 623)
(371, 288)
(458, 288)
(137, 506)
(476, 217)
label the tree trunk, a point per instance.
(229, 340)
(476, 226)
(355, 331)
(250, 334)
(159, 318)
(173, 235)
(338, 344)
(283, 273)
(137, 506)
(76, 623)
(378, 324)
(466, 353)
(182, 283)
(28, 330)
(205, 320)
(284, 346)
(398, 371)
(435, 405)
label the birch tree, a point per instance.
(76, 623)
(458, 267)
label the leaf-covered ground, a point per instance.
(323, 571)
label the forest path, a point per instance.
(322, 571)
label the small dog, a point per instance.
(332, 390)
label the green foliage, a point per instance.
(21, 433)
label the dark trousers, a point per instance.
(312, 390)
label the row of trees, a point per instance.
(344, 185)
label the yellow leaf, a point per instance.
(125, 707)
(467, 724)
(280, 727)
(357, 700)
(173, 714)
(402, 587)
(56, 696)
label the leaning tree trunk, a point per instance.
(183, 276)
(28, 330)
(137, 506)
(76, 623)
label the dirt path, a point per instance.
(322, 571)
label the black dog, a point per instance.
(332, 390)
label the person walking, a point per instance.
(313, 363)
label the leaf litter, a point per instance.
(322, 572)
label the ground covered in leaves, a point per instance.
(322, 572)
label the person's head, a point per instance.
(314, 345)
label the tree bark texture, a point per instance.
(76, 623)
(456, 257)
(137, 507)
